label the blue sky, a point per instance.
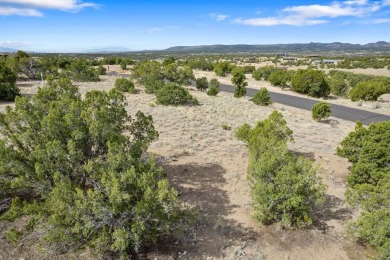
(72, 25)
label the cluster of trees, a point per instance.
(166, 80)
(8, 88)
(285, 188)
(69, 170)
(223, 68)
(364, 63)
(276, 76)
(368, 149)
(202, 84)
(23, 64)
(357, 86)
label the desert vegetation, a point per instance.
(368, 149)
(285, 188)
(78, 172)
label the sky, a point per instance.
(77, 25)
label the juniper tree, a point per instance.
(73, 165)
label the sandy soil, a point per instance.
(208, 165)
(381, 106)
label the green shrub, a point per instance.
(338, 86)
(80, 70)
(221, 69)
(8, 88)
(249, 69)
(239, 82)
(125, 85)
(202, 83)
(152, 84)
(13, 236)
(73, 165)
(262, 97)
(172, 94)
(123, 65)
(214, 87)
(321, 111)
(243, 132)
(284, 188)
(368, 90)
(101, 70)
(369, 183)
(226, 127)
(281, 77)
(264, 72)
(310, 82)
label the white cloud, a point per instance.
(356, 2)
(12, 44)
(7, 11)
(64, 5)
(272, 21)
(316, 14)
(218, 17)
(386, 2)
(32, 7)
(336, 9)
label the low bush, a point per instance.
(125, 85)
(310, 82)
(175, 95)
(202, 83)
(101, 70)
(214, 87)
(369, 184)
(321, 111)
(284, 188)
(262, 97)
(8, 87)
(369, 90)
(153, 84)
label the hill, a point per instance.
(335, 47)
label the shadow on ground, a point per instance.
(201, 187)
(333, 209)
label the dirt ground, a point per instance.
(208, 165)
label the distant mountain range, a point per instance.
(3, 49)
(107, 50)
(298, 48)
(312, 47)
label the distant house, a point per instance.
(5, 55)
(251, 59)
(334, 62)
(289, 58)
(329, 62)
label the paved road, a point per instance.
(347, 113)
(351, 114)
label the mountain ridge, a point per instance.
(288, 47)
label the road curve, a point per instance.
(347, 113)
(343, 112)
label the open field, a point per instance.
(207, 164)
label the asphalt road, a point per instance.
(347, 113)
